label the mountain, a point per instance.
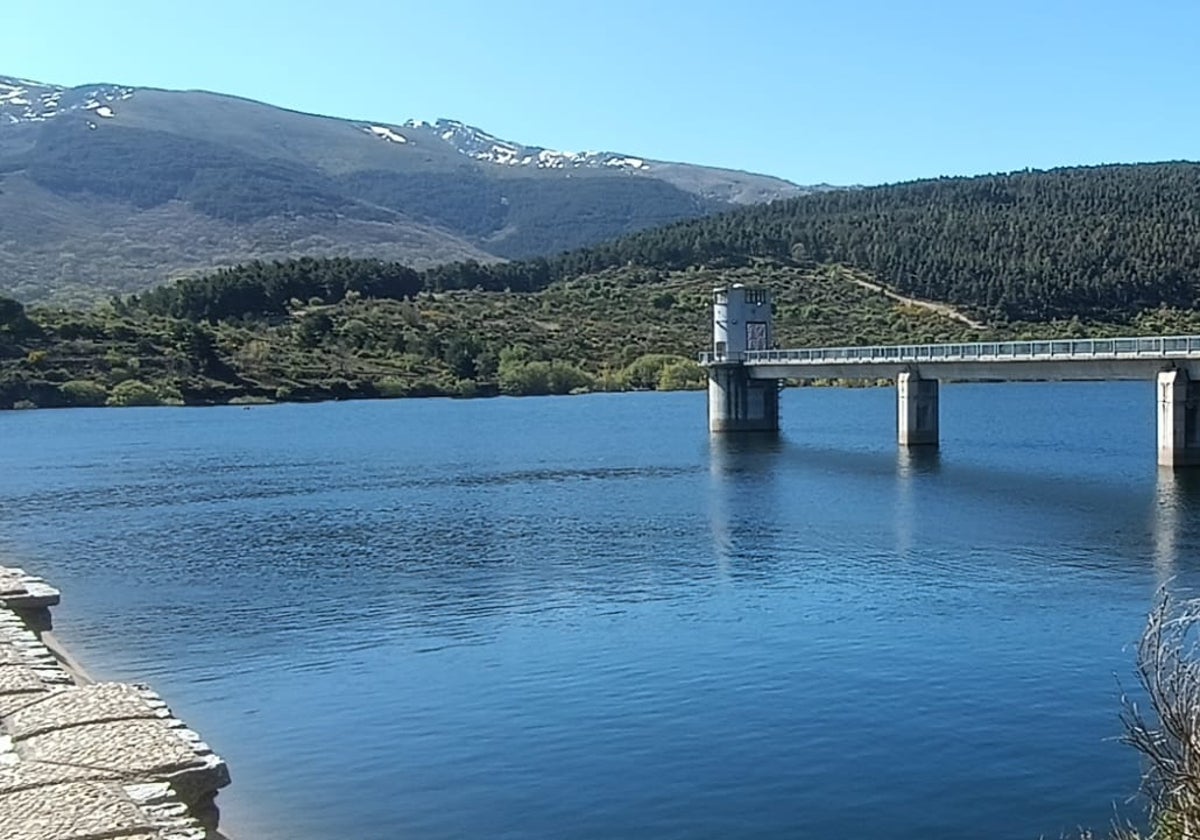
(108, 188)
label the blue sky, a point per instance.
(841, 92)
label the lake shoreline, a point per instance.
(254, 401)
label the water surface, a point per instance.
(582, 618)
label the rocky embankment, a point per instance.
(84, 760)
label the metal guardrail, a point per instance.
(1151, 347)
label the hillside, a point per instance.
(106, 188)
(619, 329)
(377, 332)
(1100, 243)
(1103, 242)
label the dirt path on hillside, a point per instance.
(940, 308)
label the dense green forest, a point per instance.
(1102, 242)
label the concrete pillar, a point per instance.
(917, 410)
(1178, 416)
(738, 403)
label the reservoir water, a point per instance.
(582, 618)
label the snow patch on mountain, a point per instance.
(479, 145)
(385, 133)
(25, 101)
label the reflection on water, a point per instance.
(1173, 519)
(911, 464)
(916, 460)
(732, 453)
(740, 468)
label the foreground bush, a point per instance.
(1168, 738)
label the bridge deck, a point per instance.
(1090, 358)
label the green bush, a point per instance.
(133, 392)
(391, 386)
(466, 388)
(683, 375)
(645, 372)
(83, 392)
(536, 378)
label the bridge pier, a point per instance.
(737, 403)
(917, 410)
(1178, 419)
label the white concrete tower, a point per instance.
(737, 402)
(741, 322)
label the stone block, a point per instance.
(54, 802)
(97, 703)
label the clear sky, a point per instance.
(841, 91)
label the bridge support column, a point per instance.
(737, 403)
(1178, 419)
(917, 410)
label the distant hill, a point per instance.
(1098, 242)
(107, 188)
(1102, 243)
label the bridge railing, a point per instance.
(1187, 346)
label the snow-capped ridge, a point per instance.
(479, 145)
(26, 101)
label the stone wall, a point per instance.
(82, 760)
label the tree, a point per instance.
(312, 329)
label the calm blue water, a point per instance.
(581, 618)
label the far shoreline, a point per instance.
(257, 402)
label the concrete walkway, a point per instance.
(85, 761)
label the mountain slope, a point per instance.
(121, 171)
(1100, 242)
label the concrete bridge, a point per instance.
(745, 373)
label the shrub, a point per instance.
(391, 386)
(645, 372)
(1168, 665)
(133, 392)
(683, 375)
(537, 378)
(83, 392)
(466, 388)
